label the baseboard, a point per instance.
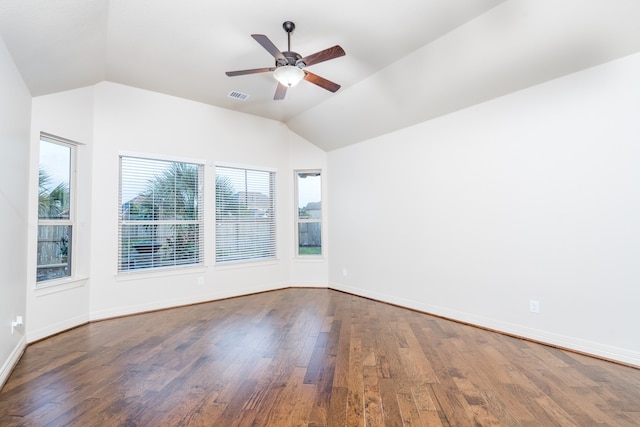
(12, 361)
(177, 302)
(56, 328)
(309, 284)
(590, 348)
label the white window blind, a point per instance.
(245, 214)
(161, 218)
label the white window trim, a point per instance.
(60, 285)
(163, 157)
(135, 274)
(243, 166)
(73, 213)
(297, 220)
(160, 272)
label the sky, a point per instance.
(56, 161)
(309, 190)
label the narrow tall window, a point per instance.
(309, 215)
(245, 214)
(55, 208)
(161, 220)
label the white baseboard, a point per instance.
(56, 328)
(566, 342)
(177, 302)
(12, 361)
(309, 284)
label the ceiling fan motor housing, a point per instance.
(291, 58)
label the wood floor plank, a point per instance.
(427, 408)
(409, 414)
(372, 400)
(337, 413)
(355, 383)
(286, 401)
(308, 357)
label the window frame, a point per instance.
(71, 221)
(298, 220)
(272, 219)
(200, 221)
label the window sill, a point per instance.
(309, 258)
(59, 285)
(141, 275)
(246, 264)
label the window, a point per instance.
(55, 208)
(245, 214)
(309, 215)
(161, 221)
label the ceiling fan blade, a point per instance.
(251, 71)
(269, 46)
(324, 55)
(321, 81)
(281, 91)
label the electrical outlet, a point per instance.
(345, 273)
(534, 306)
(16, 323)
(200, 280)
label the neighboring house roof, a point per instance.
(254, 200)
(313, 206)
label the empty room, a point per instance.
(252, 213)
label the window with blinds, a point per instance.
(161, 218)
(245, 214)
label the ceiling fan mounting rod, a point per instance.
(288, 27)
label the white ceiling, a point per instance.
(406, 61)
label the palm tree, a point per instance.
(52, 203)
(53, 240)
(173, 195)
(227, 201)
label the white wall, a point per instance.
(56, 308)
(132, 120)
(534, 195)
(109, 119)
(15, 115)
(309, 271)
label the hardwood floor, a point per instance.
(308, 357)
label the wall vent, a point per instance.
(238, 95)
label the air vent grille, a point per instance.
(234, 94)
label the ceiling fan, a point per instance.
(290, 67)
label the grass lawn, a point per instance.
(310, 250)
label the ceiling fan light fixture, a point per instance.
(288, 75)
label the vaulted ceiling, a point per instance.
(406, 61)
